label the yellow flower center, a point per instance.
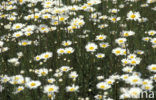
(91, 48)
(24, 43)
(117, 51)
(126, 34)
(36, 17)
(42, 28)
(147, 87)
(135, 80)
(17, 27)
(125, 62)
(62, 19)
(101, 38)
(68, 52)
(43, 73)
(133, 62)
(134, 93)
(109, 82)
(152, 33)
(19, 89)
(71, 89)
(33, 84)
(49, 95)
(125, 77)
(84, 7)
(37, 58)
(144, 83)
(133, 16)
(51, 89)
(114, 19)
(100, 97)
(61, 51)
(104, 45)
(64, 69)
(45, 17)
(100, 56)
(17, 35)
(20, 1)
(102, 86)
(153, 68)
(46, 56)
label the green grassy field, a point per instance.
(77, 49)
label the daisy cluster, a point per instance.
(77, 49)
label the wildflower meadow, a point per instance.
(77, 49)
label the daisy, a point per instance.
(133, 15)
(127, 33)
(69, 50)
(151, 1)
(135, 61)
(51, 80)
(127, 69)
(51, 88)
(36, 16)
(46, 16)
(60, 51)
(72, 88)
(29, 28)
(140, 52)
(73, 75)
(65, 68)
(46, 55)
(24, 43)
(19, 89)
(33, 84)
(146, 39)
(117, 51)
(134, 80)
(100, 55)
(91, 47)
(37, 58)
(103, 86)
(152, 67)
(153, 41)
(100, 77)
(17, 34)
(4, 79)
(17, 26)
(125, 77)
(28, 33)
(1, 43)
(146, 82)
(63, 18)
(100, 37)
(125, 61)
(109, 81)
(135, 92)
(114, 19)
(13, 60)
(98, 97)
(11, 18)
(42, 72)
(131, 56)
(104, 45)
(120, 41)
(103, 17)
(148, 87)
(113, 10)
(66, 43)
(151, 32)
(44, 28)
